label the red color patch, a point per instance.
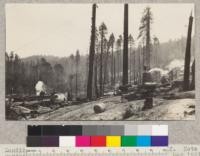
(98, 141)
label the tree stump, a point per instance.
(148, 103)
(150, 88)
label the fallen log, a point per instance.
(99, 108)
(180, 95)
(30, 103)
(42, 109)
(29, 98)
(21, 110)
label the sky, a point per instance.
(61, 29)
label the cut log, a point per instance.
(29, 98)
(21, 110)
(181, 95)
(99, 108)
(43, 109)
(29, 103)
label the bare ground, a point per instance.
(178, 109)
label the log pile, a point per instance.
(32, 106)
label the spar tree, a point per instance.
(186, 81)
(125, 47)
(193, 76)
(97, 45)
(91, 54)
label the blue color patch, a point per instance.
(143, 141)
(159, 141)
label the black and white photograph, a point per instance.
(114, 61)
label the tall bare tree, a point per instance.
(193, 76)
(186, 83)
(118, 45)
(77, 59)
(96, 65)
(131, 52)
(155, 55)
(102, 31)
(92, 54)
(106, 56)
(140, 65)
(125, 48)
(71, 76)
(111, 42)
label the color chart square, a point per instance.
(34, 141)
(159, 130)
(34, 130)
(130, 130)
(143, 141)
(128, 141)
(116, 130)
(103, 130)
(90, 130)
(82, 141)
(144, 130)
(113, 141)
(50, 141)
(67, 141)
(98, 141)
(159, 141)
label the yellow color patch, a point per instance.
(113, 141)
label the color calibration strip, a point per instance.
(97, 136)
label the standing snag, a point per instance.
(125, 49)
(186, 82)
(92, 53)
(102, 31)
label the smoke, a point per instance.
(40, 87)
(161, 71)
(175, 64)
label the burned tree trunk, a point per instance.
(130, 67)
(186, 83)
(134, 66)
(105, 75)
(193, 76)
(101, 67)
(112, 67)
(114, 72)
(148, 48)
(102, 30)
(95, 76)
(125, 50)
(92, 53)
(139, 68)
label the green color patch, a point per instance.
(128, 141)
